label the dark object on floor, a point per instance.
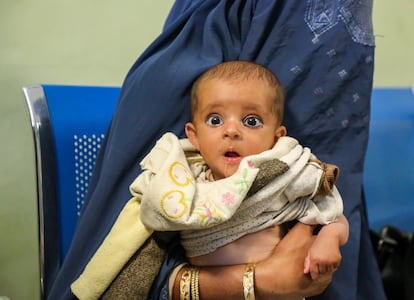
(394, 250)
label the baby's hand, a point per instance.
(323, 256)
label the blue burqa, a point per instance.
(323, 53)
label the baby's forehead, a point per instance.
(231, 79)
(233, 83)
(229, 105)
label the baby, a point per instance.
(232, 185)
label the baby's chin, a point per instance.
(229, 170)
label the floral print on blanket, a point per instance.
(177, 205)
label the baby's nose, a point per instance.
(232, 130)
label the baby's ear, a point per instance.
(280, 131)
(191, 133)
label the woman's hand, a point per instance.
(281, 276)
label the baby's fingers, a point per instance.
(321, 269)
(306, 268)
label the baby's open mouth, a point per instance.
(231, 154)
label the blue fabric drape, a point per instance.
(322, 51)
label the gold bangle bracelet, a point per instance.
(195, 293)
(185, 285)
(248, 282)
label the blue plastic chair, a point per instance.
(389, 162)
(69, 124)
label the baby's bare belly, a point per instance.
(250, 248)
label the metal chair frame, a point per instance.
(55, 232)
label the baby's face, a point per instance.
(234, 119)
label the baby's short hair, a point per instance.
(239, 71)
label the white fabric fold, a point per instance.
(212, 214)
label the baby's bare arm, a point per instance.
(324, 254)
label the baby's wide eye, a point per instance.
(214, 120)
(252, 121)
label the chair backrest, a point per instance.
(389, 162)
(69, 124)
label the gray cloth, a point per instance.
(135, 279)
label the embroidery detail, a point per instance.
(321, 16)
(173, 204)
(355, 97)
(330, 112)
(243, 183)
(250, 164)
(343, 74)
(331, 53)
(180, 174)
(296, 70)
(227, 198)
(318, 91)
(209, 216)
(369, 59)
